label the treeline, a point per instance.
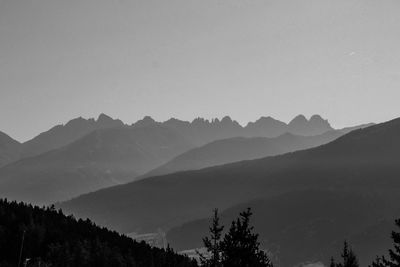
(45, 237)
(33, 236)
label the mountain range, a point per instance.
(87, 154)
(360, 169)
(201, 131)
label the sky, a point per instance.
(197, 58)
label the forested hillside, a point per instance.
(49, 238)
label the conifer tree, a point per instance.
(240, 246)
(378, 262)
(348, 256)
(394, 253)
(213, 243)
(333, 263)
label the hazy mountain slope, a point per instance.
(363, 160)
(100, 159)
(240, 148)
(62, 135)
(322, 219)
(9, 149)
(352, 128)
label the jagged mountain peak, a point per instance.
(106, 121)
(104, 118)
(146, 121)
(298, 119)
(314, 126)
(264, 121)
(316, 117)
(227, 119)
(77, 121)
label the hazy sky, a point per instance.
(186, 58)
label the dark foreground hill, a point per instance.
(52, 239)
(9, 149)
(100, 159)
(309, 225)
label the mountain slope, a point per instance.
(9, 149)
(363, 160)
(240, 148)
(100, 159)
(62, 135)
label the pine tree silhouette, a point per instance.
(239, 247)
(213, 243)
(394, 253)
(333, 263)
(348, 256)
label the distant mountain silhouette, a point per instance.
(62, 135)
(265, 126)
(241, 148)
(202, 131)
(365, 161)
(301, 126)
(103, 158)
(146, 121)
(9, 149)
